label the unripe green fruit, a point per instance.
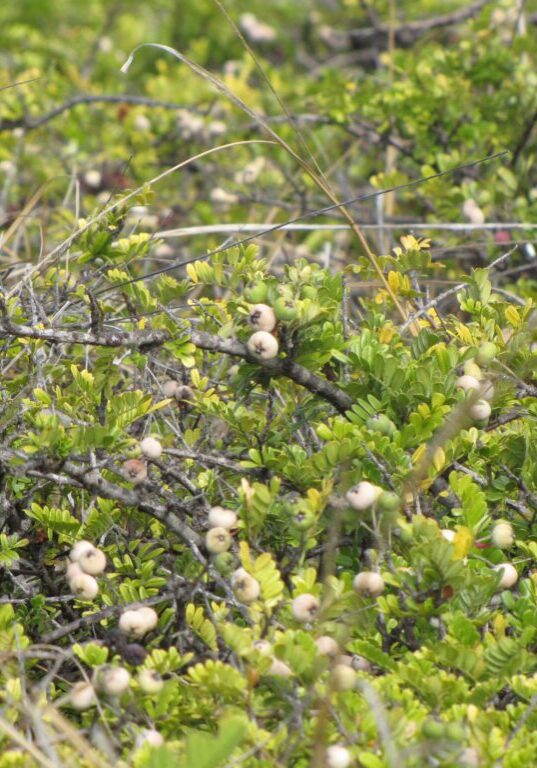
(388, 501)
(432, 729)
(486, 353)
(150, 681)
(309, 292)
(224, 563)
(381, 424)
(455, 732)
(256, 293)
(218, 540)
(285, 309)
(303, 520)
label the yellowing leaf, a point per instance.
(439, 459)
(512, 316)
(462, 543)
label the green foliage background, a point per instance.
(445, 659)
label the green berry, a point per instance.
(388, 501)
(381, 424)
(224, 563)
(302, 520)
(432, 729)
(256, 293)
(285, 309)
(308, 292)
(455, 732)
(486, 353)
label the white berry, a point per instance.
(448, 534)
(151, 448)
(93, 561)
(468, 383)
(279, 668)
(84, 586)
(219, 517)
(113, 681)
(480, 411)
(502, 535)
(245, 587)
(169, 388)
(82, 696)
(368, 583)
(80, 548)
(149, 736)
(509, 575)
(150, 681)
(305, 608)
(363, 495)
(262, 345)
(327, 646)
(343, 677)
(337, 757)
(262, 317)
(132, 622)
(135, 471)
(218, 540)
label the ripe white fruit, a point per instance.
(343, 677)
(262, 317)
(169, 388)
(263, 647)
(135, 471)
(363, 495)
(502, 535)
(150, 617)
(486, 390)
(327, 646)
(262, 345)
(472, 212)
(149, 736)
(150, 681)
(82, 696)
(219, 517)
(218, 540)
(448, 534)
(221, 196)
(368, 583)
(113, 681)
(84, 586)
(279, 668)
(480, 411)
(337, 757)
(80, 548)
(93, 178)
(509, 575)
(305, 607)
(142, 123)
(93, 561)
(132, 622)
(151, 448)
(245, 587)
(468, 383)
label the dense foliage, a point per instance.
(268, 493)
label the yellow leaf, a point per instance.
(394, 281)
(439, 459)
(191, 272)
(142, 322)
(512, 316)
(419, 453)
(462, 542)
(386, 334)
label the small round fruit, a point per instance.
(169, 388)
(305, 608)
(368, 583)
(184, 394)
(93, 561)
(480, 411)
(245, 587)
(303, 520)
(327, 646)
(84, 586)
(217, 540)
(132, 622)
(337, 756)
(448, 534)
(285, 309)
(382, 424)
(224, 563)
(150, 681)
(262, 345)
(432, 729)
(73, 569)
(472, 369)
(363, 495)
(263, 647)
(503, 536)
(388, 501)
(149, 736)
(79, 549)
(135, 471)
(113, 681)
(219, 517)
(455, 732)
(82, 696)
(486, 390)
(150, 617)
(486, 353)
(468, 383)
(309, 292)
(509, 575)
(256, 293)
(262, 317)
(151, 448)
(472, 212)
(343, 677)
(279, 668)
(133, 653)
